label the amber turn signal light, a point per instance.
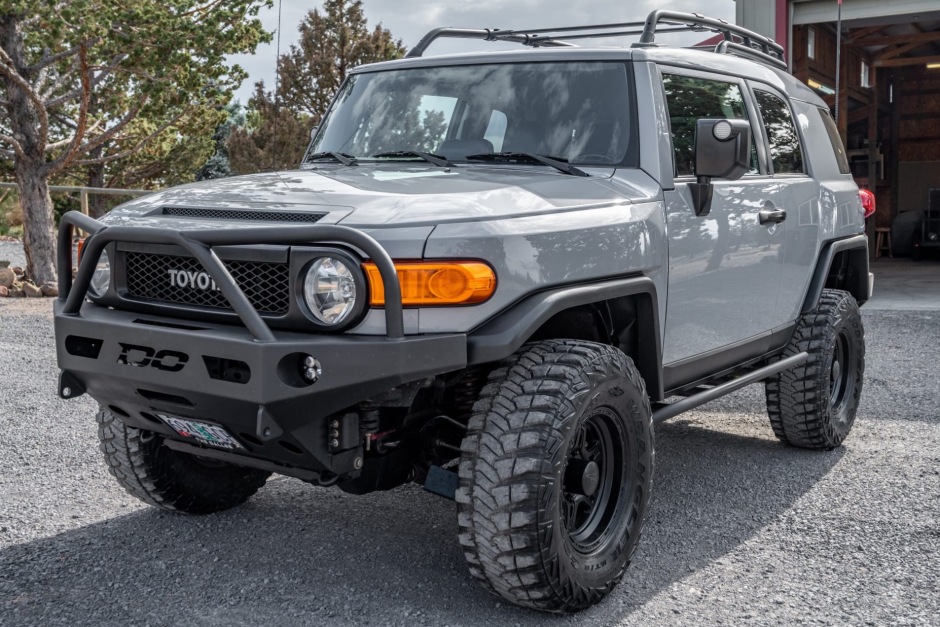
(435, 283)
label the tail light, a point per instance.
(868, 201)
(80, 248)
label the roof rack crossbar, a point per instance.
(695, 21)
(619, 33)
(485, 34)
(568, 29)
(736, 39)
(731, 47)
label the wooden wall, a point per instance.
(919, 102)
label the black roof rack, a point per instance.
(737, 40)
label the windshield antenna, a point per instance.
(277, 88)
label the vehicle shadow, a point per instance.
(300, 555)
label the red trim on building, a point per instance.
(711, 41)
(782, 20)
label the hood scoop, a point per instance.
(308, 217)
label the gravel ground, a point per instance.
(13, 252)
(741, 530)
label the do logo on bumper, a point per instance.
(144, 356)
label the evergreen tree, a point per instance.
(89, 82)
(332, 42)
(218, 165)
(273, 138)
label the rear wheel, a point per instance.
(168, 479)
(813, 404)
(555, 475)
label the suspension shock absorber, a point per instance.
(466, 392)
(368, 422)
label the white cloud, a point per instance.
(409, 20)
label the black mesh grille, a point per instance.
(241, 214)
(151, 277)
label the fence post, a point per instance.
(83, 195)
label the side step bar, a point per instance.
(670, 410)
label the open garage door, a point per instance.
(888, 100)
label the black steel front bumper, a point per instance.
(246, 379)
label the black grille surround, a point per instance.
(307, 217)
(150, 278)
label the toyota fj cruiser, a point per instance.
(492, 274)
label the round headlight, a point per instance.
(101, 279)
(330, 290)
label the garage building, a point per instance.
(883, 80)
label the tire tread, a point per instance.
(512, 436)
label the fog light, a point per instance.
(311, 369)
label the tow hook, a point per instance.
(69, 386)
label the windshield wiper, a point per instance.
(437, 160)
(559, 163)
(336, 156)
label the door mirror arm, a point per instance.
(702, 195)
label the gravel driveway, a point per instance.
(13, 252)
(742, 529)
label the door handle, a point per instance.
(771, 216)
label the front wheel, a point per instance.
(812, 405)
(555, 475)
(167, 479)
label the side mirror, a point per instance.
(722, 150)
(313, 132)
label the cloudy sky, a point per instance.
(410, 19)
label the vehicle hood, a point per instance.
(371, 195)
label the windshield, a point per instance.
(576, 111)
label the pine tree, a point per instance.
(331, 44)
(88, 82)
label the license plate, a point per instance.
(201, 432)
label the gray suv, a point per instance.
(491, 275)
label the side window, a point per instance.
(785, 151)
(690, 99)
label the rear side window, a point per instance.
(786, 153)
(690, 99)
(836, 141)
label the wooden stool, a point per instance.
(880, 240)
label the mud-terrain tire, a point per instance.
(539, 526)
(812, 405)
(168, 479)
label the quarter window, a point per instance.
(690, 99)
(786, 155)
(833, 132)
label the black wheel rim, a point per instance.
(840, 373)
(593, 477)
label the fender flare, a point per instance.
(857, 283)
(502, 335)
